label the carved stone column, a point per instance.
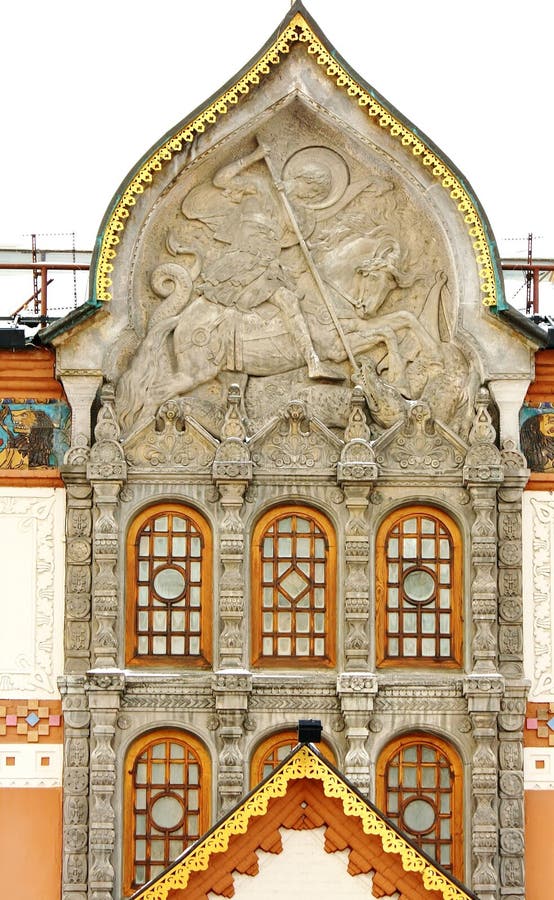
(104, 692)
(78, 575)
(107, 472)
(75, 787)
(231, 703)
(510, 607)
(484, 695)
(356, 472)
(357, 695)
(511, 813)
(483, 473)
(232, 472)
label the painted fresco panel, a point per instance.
(33, 435)
(537, 436)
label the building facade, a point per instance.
(293, 488)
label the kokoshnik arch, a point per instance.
(302, 491)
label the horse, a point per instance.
(190, 340)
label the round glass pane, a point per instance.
(419, 816)
(419, 585)
(166, 812)
(169, 583)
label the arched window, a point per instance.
(167, 796)
(168, 587)
(419, 787)
(271, 752)
(293, 589)
(418, 564)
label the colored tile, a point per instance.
(44, 729)
(3, 711)
(42, 712)
(550, 724)
(532, 724)
(22, 728)
(543, 731)
(21, 711)
(11, 720)
(32, 719)
(54, 720)
(32, 737)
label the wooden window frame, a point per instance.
(135, 750)
(328, 531)
(455, 763)
(455, 661)
(272, 744)
(204, 658)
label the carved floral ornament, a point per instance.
(297, 31)
(304, 763)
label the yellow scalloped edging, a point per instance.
(297, 30)
(304, 764)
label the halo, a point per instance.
(328, 159)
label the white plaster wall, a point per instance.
(32, 546)
(303, 869)
(538, 593)
(31, 765)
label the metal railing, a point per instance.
(42, 273)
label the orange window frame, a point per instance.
(423, 740)
(270, 748)
(265, 523)
(190, 744)
(132, 657)
(454, 611)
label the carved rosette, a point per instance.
(107, 472)
(75, 787)
(357, 693)
(231, 701)
(484, 696)
(104, 692)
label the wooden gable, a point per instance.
(304, 794)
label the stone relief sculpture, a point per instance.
(296, 272)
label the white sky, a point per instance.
(89, 85)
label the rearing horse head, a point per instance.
(377, 275)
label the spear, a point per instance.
(307, 255)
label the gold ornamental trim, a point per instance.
(303, 764)
(297, 30)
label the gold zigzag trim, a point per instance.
(297, 30)
(304, 764)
